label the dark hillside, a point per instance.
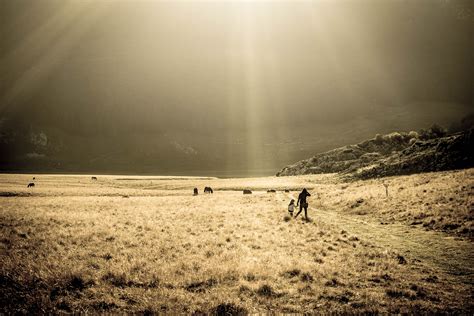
(393, 154)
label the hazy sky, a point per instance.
(242, 87)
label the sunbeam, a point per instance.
(236, 157)
(48, 46)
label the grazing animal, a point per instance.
(31, 184)
(34, 178)
(94, 178)
(271, 191)
(287, 191)
(208, 190)
(246, 191)
(195, 191)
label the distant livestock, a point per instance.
(94, 178)
(195, 191)
(287, 191)
(208, 190)
(246, 191)
(31, 184)
(34, 178)
(271, 191)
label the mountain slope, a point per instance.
(393, 154)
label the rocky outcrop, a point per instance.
(392, 154)
(445, 153)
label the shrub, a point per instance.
(266, 290)
(118, 280)
(413, 134)
(307, 277)
(379, 138)
(292, 273)
(437, 130)
(228, 309)
(70, 283)
(250, 277)
(434, 131)
(104, 305)
(401, 259)
(201, 286)
(396, 137)
(332, 283)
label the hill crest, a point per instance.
(397, 153)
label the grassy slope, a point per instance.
(148, 245)
(441, 201)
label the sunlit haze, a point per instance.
(237, 157)
(225, 88)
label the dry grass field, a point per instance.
(145, 244)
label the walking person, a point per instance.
(291, 207)
(303, 203)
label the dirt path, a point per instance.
(453, 256)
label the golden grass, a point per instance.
(441, 201)
(148, 245)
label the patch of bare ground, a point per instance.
(225, 253)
